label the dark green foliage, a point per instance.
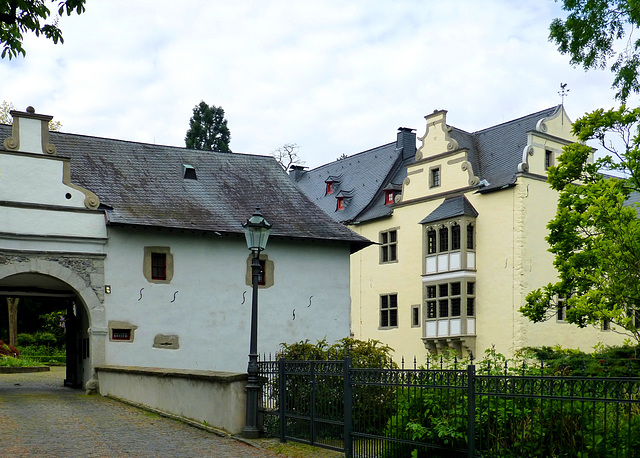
(622, 361)
(366, 354)
(20, 16)
(374, 404)
(590, 32)
(520, 417)
(208, 129)
(595, 235)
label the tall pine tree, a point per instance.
(208, 129)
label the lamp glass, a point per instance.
(256, 232)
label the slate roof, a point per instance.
(494, 153)
(142, 184)
(452, 207)
(364, 176)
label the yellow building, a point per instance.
(460, 223)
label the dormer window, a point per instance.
(332, 183)
(390, 193)
(342, 197)
(189, 172)
(388, 197)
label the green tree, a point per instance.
(589, 33)
(208, 129)
(21, 16)
(595, 235)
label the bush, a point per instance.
(372, 405)
(513, 421)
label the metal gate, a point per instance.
(312, 397)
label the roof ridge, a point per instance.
(333, 163)
(530, 115)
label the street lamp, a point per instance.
(256, 231)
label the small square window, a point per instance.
(340, 203)
(388, 197)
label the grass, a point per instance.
(292, 449)
(8, 361)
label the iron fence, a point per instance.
(396, 412)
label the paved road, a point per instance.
(40, 417)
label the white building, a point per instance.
(148, 240)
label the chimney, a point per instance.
(407, 141)
(296, 172)
(30, 133)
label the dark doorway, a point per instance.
(49, 313)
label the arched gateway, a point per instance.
(75, 277)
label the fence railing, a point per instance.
(392, 412)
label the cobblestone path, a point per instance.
(40, 417)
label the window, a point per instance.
(443, 237)
(121, 334)
(388, 197)
(445, 300)
(389, 311)
(470, 233)
(157, 266)
(562, 308)
(121, 331)
(266, 275)
(388, 246)
(415, 316)
(455, 237)
(548, 159)
(329, 187)
(434, 177)
(431, 241)
(340, 203)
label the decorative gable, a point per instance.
(31, 173)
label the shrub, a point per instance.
(373, 404)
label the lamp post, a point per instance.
(256, 231)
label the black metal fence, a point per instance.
(442, 412)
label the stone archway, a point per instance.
(85, 277)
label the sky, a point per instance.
(334, 77)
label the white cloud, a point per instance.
(334, 77)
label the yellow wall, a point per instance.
(511, 251)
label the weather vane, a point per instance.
(563, 92)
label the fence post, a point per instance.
(348, 410)
(282, 399)
(471, 410)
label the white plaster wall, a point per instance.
(208, 314)
(49, 222)
(38, 180)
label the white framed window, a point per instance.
(450, 308)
